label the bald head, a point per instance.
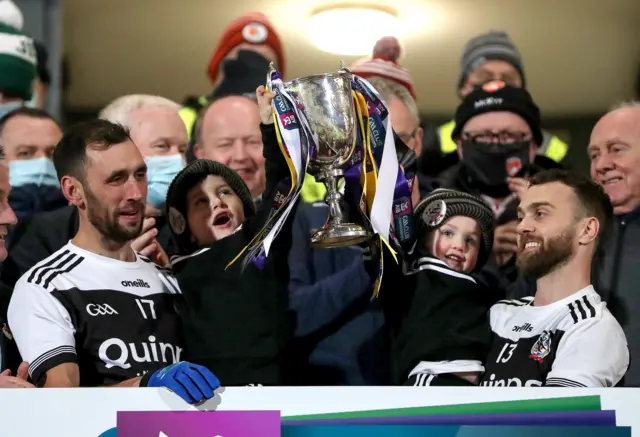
(228, 131)
(614, 152)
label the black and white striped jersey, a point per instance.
(574, 342)
(115, 319)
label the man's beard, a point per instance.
(108, 226)
(551, 255)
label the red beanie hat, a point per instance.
(384, 63)
(252, 28)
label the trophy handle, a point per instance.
(344, 69)
(272, 69)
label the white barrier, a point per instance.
(90, 412)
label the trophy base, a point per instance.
(339, 235)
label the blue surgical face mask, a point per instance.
(160, 172)
(5, 108)
(40, 172)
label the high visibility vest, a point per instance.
(189, 114)
(552, 147)
(312, 191)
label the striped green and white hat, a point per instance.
(18, 62)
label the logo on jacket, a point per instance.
(526, 327)
(542, 347)
(137, 283)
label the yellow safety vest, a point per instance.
(312, 191)
(552, 147)
(189, 114)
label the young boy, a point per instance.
(436, 312)
(236, 322)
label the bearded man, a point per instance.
(564, 336)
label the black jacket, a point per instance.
(434, 314)
(237, 323)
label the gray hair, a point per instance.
(625, 105)
(389, 88)
(120, 109)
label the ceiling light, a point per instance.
(351, 30)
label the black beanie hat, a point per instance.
(194, 173)
(442, 204)
(497, 96)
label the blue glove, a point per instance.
(195, 384)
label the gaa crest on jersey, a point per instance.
(541, 347)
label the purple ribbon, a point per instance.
(283, 195)
(403, 210)
(259, 260)
(402, 206)
(377, 113)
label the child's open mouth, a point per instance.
(222, 220)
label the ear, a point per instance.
(459, 149)
(197, 150)
(533, 151)
(415, 192)
(589, 231)
(466, 89)
(73, 191)
(419, 135)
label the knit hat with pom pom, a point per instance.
(384, 63)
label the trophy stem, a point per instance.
(335, 232)
(333, 198)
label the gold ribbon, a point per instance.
(259, 237)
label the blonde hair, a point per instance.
(389, 88)
(120, 109)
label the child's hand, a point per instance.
(264, 103)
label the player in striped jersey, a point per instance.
(564, 336)
(95, 313)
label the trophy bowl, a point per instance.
(327, 102)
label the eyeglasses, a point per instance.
(503, 137)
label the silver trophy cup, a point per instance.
(328, 105)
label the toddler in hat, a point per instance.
(234, 321)
(436, 311)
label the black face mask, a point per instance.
(489, 165)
